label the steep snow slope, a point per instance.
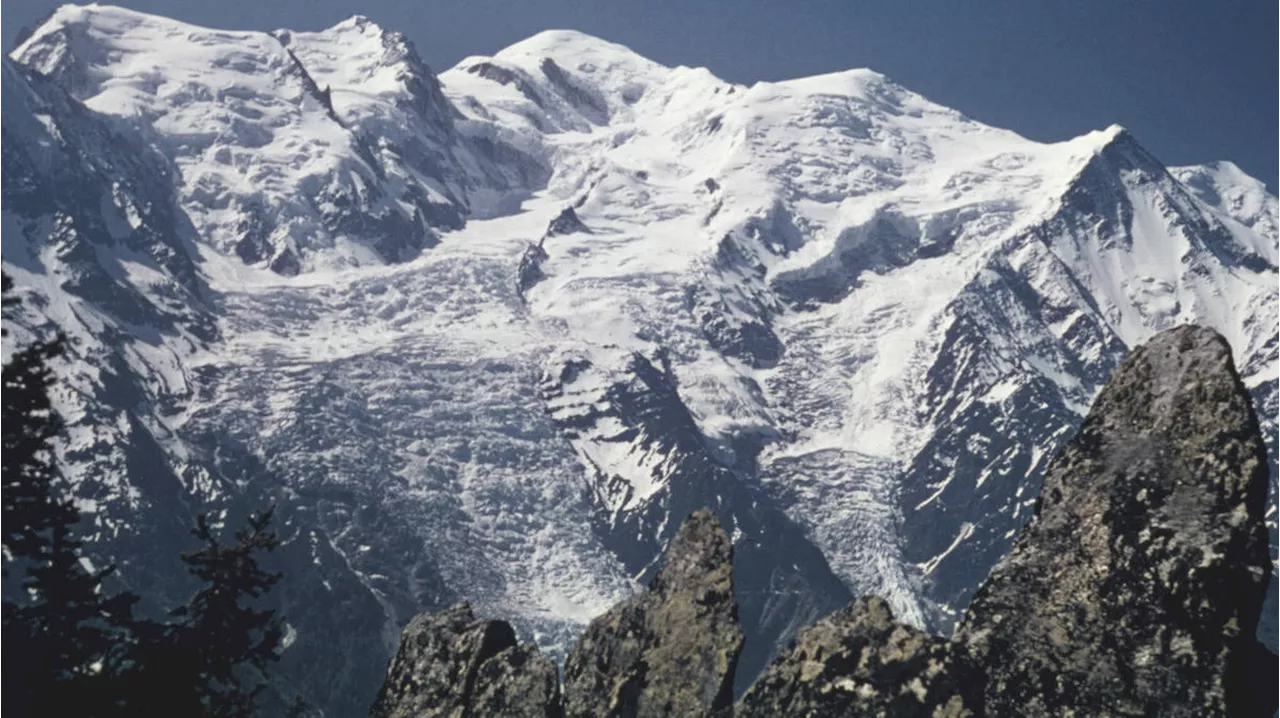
(491, 335)
(79, 190)
(1226, 188)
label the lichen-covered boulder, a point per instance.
(860, 662)
(517, 683)
(1136, 588)
(670, 651)
(450, 664)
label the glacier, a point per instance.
(491, 334)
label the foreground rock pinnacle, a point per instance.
(1137, 586)
(670, 651)
(450, 664)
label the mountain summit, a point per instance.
(303, 268)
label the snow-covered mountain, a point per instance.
(491, 334)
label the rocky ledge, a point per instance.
(1134, 591)
(450, 664)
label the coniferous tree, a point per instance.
(60, 628)
(72, 650)
(31, 506)
(211, 658)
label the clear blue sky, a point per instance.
(1194, 81)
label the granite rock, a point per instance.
(450, 664)
(860, 662)
(1137, 586)
(670, 651)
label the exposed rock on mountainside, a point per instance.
(670, 651)
(860, 662)
(451, 665)
(1136, 588)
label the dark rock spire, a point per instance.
(1136, 588)
(670, 651)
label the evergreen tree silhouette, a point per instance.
(72, 649)
(211, 659)
(61, 632)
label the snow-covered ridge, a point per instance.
(448, 322)
(285, 164)
(1226, 188)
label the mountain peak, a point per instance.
(568, 44)
(1099, 142)
(1224, 173)
(600, 63)
(362, 28)
(296, 106)
(358, 21)
(563, 78)
(1112, 149)
(119, 60)
(1112, 134)
(851, 81)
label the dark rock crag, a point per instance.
(450, 664)
(1137, 586)
(670, 651)
(530, 271)
(860, 662)
(1135, 590)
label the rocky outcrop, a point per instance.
(566, 222)
(860, 662)
(450, 664)
(670, 651)
(1136, 588)
(530, 270)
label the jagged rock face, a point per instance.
(671, 651)
(450, 664)
(518, 683)
(1136, 588)
(860, 662)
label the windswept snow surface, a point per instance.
(491, 335)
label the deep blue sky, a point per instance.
(1194, 81)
